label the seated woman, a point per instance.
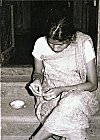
(63, 82)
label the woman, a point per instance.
(63, 82)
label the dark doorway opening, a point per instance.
(32, 23)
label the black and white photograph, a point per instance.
(50, 69)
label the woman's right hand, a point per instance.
(36, 87)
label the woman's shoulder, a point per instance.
(41, 39)
(41, 43)
(82, 35)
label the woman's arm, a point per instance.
(38, 66)
(91, 84)
(37, 76)
(38, 72)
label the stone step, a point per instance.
(19, 138)
(18, 129)
(22, 131)
(26, 138)
(20, 124)
(14, 138)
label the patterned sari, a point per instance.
(71, 110)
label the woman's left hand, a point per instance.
(52, 93)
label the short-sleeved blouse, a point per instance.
(73, 107)
(41, 47)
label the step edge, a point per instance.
(24, 119)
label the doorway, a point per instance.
(34, 14)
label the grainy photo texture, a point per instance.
(50, 69)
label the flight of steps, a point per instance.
(20, 124)
(16, 124)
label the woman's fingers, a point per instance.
(48, 93)
(40, 88)
(35, 87)
(32, 89)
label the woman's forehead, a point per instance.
(55, 42)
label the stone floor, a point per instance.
(16, 124)
(19, 124)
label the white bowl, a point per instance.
(17, 104)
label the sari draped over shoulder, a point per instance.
(70, 110)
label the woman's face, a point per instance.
(58, 46)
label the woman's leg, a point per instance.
(42, 134)
(78, 135)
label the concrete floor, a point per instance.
(16, 123)
(19, 124)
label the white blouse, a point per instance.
(41, 47)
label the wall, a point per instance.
(98, 47)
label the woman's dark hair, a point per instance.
(61, 30)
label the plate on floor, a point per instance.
(17, 104)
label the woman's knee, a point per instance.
(42, 134)
(79, 135)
